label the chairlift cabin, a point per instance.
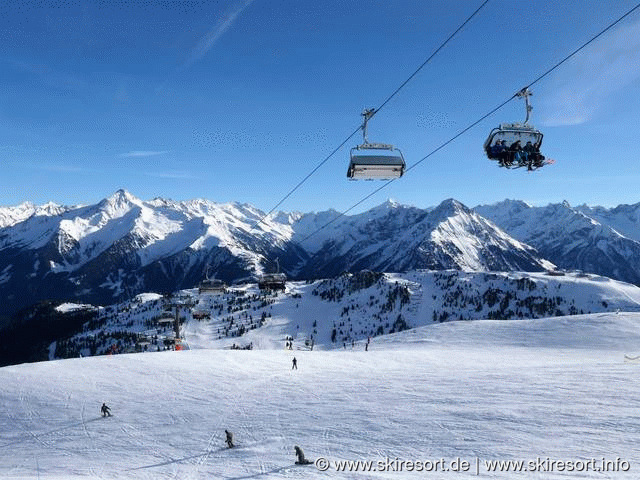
(498, 145)
(212, 286)
(272, 281)
(374, 161)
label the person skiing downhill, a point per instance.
(295, 364)
(229, 439)
(105, 410)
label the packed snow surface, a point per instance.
(546, 390)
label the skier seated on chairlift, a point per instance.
(105, 410)
(538, 158)
(496, 150)
(528, 152)
(515, 151)
(504, 156)
(533, 159)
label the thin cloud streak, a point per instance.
(143, 153)
(207, 42)
(607, 68)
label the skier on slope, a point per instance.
(295, 364)
(105, 410)
(229, 439)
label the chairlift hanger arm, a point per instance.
(526, 93)
(368, 114)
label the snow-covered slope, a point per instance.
(571, 238)
(536, 391)
(343, 312)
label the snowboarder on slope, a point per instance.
(295, 364)
(300, 454)
(229, 439)
(105, 410)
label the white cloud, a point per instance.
(207, 42)
(143, 153)
(593, 76)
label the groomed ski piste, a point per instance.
(537, 391)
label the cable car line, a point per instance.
(430, 58)
(602, 32)
(375, 110)
(505, 142)
(485, 116)
(384, 185)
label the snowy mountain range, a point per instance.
(122, 246)
(591, 239)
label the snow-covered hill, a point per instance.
(533, 391)
(339, 313)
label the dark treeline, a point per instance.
(27, 336)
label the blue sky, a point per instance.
(239, 100)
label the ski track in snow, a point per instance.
(494, 390)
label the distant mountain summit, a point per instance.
(123, 245)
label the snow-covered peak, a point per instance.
(12, 215)
(511, 205)
(386, 208)
(625, 219)
(119, 202)
(50, 209)
(449, 208)
(575, 237)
